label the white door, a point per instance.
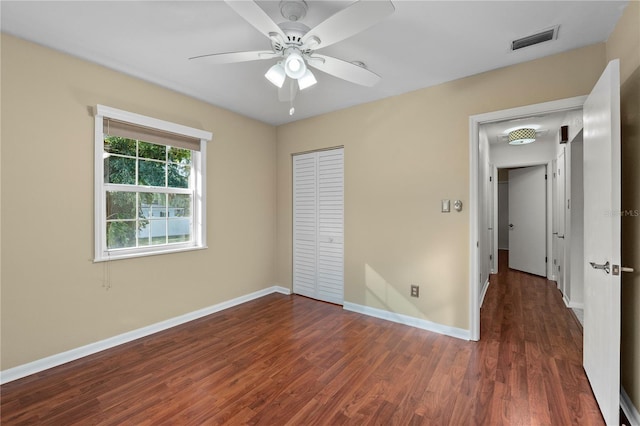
(527, 220)
(318, 228)
(561, 225)
(601, 351)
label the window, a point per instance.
(149, 186)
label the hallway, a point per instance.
(536, 343)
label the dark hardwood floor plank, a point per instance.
(539, 407)
(289, 360)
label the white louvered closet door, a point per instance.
(305, 224)
(318, 228)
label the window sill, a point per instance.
(131, 255)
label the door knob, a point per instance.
(604, 267)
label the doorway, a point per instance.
(480, 142)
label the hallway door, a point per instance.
(601, 146)
(527, 220)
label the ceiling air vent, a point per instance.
(541, 37)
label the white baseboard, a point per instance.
(407, 320)
(629, 409)
(483, 292)
(279, 289)
(571, 304)
(92, 348)
(576, 305)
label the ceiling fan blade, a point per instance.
(231, 57)
(344, 70)
(257, 17)
(288, 91)
(350, 21)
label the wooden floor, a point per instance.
(291, 360)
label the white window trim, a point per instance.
(199, 242)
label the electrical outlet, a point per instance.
(415, 290)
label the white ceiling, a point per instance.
(423, 43)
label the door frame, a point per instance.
(560, 211)
(475, 210)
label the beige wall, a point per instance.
(624, 43)
(402, 156)
(52, 294)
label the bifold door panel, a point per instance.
(318, 225)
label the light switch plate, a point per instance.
(446, 206)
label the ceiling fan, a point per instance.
(295, 45)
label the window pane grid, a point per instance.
(154, 165)
(161, 186)
(160, 222)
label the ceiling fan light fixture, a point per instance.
(307, 80)
(522, 136)
(276, 75)
(294, 65)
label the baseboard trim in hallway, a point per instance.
(629, 409)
